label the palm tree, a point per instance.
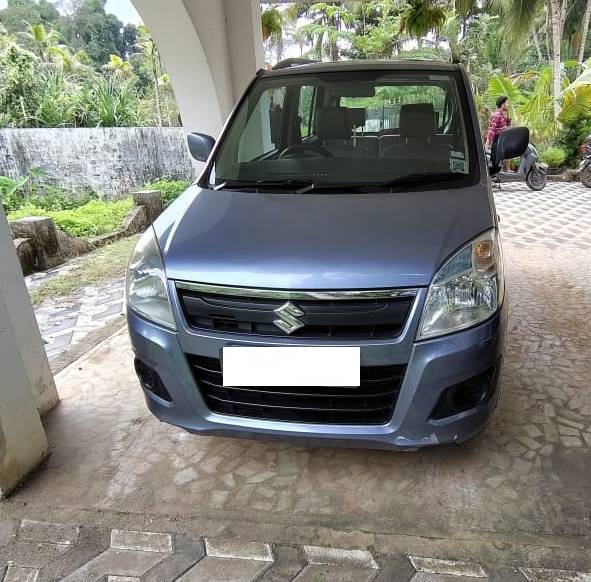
(329, 24)
(419, 17)
(149, 50)
(70, 63)
(118, 67)
(518, 16)
(41, 38)
(584, 30)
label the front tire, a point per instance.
(537, 179)
(586, 176)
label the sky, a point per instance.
(123, 9)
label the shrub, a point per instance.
(554, 156)
(91, 219)
(571, 136)
(171, 189)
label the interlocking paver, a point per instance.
(20, 574)
(54, 533)
(141, 541)
(447, 567)
(212, 569)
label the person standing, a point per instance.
(499, 121)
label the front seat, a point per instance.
(417, 132)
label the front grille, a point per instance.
(358, 318)
(372, 402)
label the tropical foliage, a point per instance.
(533, 51)
(84, 69)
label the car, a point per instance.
(335, 275)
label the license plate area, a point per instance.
(291, 366)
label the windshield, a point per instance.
(364, 128)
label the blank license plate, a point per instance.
(291, 366)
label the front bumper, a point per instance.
(431, 367)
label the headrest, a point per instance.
(332, 123)
(356, 116)
(417, 120)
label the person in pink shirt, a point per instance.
(499, 121)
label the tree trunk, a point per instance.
(583, 41)
(156, 91)
(555, 15)
(537, 43)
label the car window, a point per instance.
(306, 109)
(383, 110)
(362, 127)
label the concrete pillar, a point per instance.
(24, 324)
(26, 384)
(211, 49)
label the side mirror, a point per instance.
(511, 143)
(200, 145)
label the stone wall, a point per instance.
(108, 161)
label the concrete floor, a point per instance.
(519, 494)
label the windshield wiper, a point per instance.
(296, 185)
(413, 180)
(299, 186)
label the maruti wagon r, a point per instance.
(335, 274)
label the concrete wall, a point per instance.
(109, 161)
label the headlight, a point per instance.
(146, 282)
(468, 288)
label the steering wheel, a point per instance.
(316, 151)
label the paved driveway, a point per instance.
(514, 504)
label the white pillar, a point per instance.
(24, 373)
(211, 49)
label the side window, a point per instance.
(262, 132)
(306, 109)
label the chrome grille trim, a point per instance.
(302, 295)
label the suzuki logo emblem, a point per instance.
(288, 315)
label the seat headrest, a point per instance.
(332, 123)
(356, 116)
(417, 120)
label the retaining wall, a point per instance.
(108, 161)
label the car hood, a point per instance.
(318, 241)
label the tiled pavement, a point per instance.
(528, 474)
(549, 218)
(36, 551)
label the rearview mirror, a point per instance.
(511, 143)
(200, 145)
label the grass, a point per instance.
(170, 189)
(91, 219)
(105, 263)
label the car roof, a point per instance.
(303, 66)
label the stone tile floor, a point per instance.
(53, 551)
(512, 505)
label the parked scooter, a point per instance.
(530, 170)
(585, 165)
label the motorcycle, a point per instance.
(585, 165)
(530, 170)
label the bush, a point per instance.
(91, 219)
(571, 136)
(554, 156)
(170, 189)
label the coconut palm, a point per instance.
(518, 18)
(118, 67)
(149, 51)
(77, 63)
(41, 38)
(420, 17)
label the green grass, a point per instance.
(100, 265)
(170, 189)
(91, 219)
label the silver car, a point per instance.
(335, 274)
